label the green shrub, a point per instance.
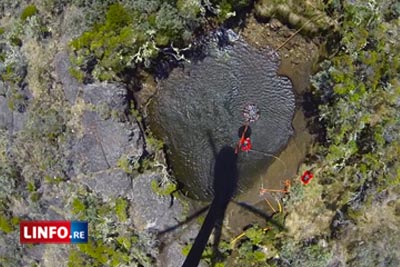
(255, 247)
(297, 254)
(5, 225)
(356, 164)
(361, 117)
(28, 12)
(164, 189)
(114, 43)
(130, 35)
(78, 206)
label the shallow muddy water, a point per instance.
(197, 111)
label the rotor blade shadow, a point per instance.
(187, 220)
(216, 255)
(224, 185)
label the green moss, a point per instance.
(186, 249)
(105, 41)
(35, 197)
(124, 164)
(226, 10)
(28, 12)
(121, 206)
(77, 74)
(117, 17)
(31, 187)
(200, 219)
(124, 241)
(78, 206)
(16, 41)
(164, 189)
(162, 39)
(153, 142)
(6, 224)
(75, 258)
(53, 180)
(255, 234)
(129, 37)
(11, 105)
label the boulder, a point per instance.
(103, 143)
(149, 210)
(70, 85)
(110, 183)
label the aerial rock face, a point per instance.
(198, 110)
(13, 109)
(103, 135)
(70, 84)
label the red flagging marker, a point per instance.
(306, 177)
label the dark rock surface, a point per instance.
(65, 144)
(69, 83)
(110, 183)
(103, 143)
(12, 120)
(171, 255)
(5, 114)
(112, 95)
(151, 211)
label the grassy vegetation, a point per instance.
(342, 217)
(112, 240)
(356, 166)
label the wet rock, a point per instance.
(151, 212)
(148, 90)
(103, 140)
(172, 255)
(18, 121)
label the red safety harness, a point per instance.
(245, 144)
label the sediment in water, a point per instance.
(197, 111)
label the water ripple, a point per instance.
(206, 100)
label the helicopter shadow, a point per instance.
(225, 178)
